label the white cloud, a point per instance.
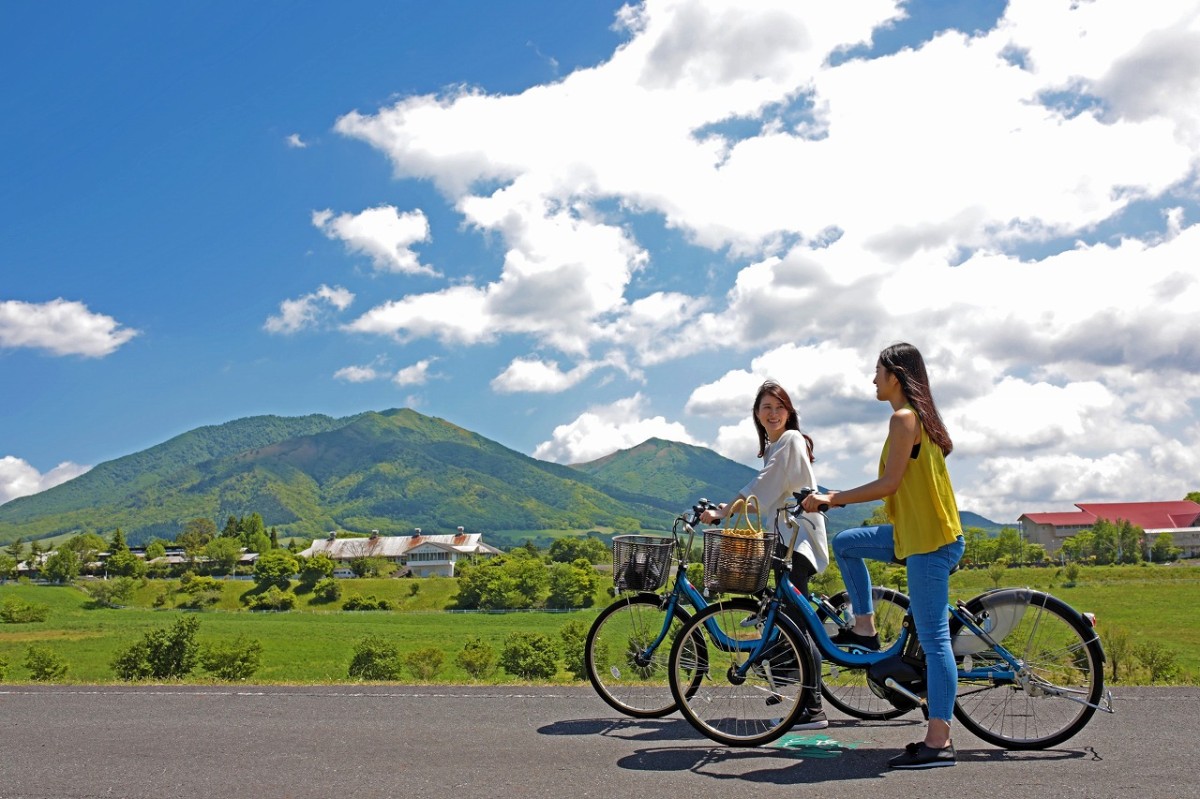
(19, 479)
(383, 234)
(308, 310)
(414, 375)
(357, 374)
(295, 142)
(603, 430)
(62, 327)
(924, 195)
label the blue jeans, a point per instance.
(929, 593)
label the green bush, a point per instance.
(530, 656)
(111, 593)
(272, 599)
(478, 659)
(327, 590)
(232, 660)
(425, 663)
(375, 659)
(574, 638)
(14, 611)
(1162, 662)
(369, 602)
(43, 664)
(168, 652)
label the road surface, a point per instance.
(318, 742)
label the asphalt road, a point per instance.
(457, 741)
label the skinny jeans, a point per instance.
(929, 587)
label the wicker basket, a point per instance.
(641, 562)
(736, 564)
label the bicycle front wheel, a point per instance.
(624, 663)
(732, 705)
(847, 689)
(1060, 681)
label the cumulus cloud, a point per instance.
(606, 429)
(295, 142)
(415, 375)
(383, 234)
(965, 193)
(19, 479)
(357, 374)
(61, 327)
(308, 310)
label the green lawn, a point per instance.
(314, 644)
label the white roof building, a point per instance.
(423, 555)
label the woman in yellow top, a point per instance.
(925, 534)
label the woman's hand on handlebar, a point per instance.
(818, 503)
(714, 514)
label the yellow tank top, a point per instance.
(923, 511)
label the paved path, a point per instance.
(449, 741)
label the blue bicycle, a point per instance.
(1030, 667)
(627, 647)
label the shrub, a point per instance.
(232, 660)
(14, 611)
(478, 659)
(375, 659)
(531, 656)
(327, 590)
(1162, 662)
(574, 637)
(111, 593)
(368, 602)
(425, 663)
(43, 664)
(272, 599)
(162, 654)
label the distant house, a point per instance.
(1180, 520)
(423, 555)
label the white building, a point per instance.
(423, 555)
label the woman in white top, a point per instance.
(787, 457)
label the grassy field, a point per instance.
(314, 643)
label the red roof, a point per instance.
(1147, 515)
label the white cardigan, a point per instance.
(786, 469)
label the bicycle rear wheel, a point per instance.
(621, 665)
(1060, 655)
(847, 689)
(738, 710)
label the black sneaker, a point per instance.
(851, 638)
(811, 720)
(919, 755)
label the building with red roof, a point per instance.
(1179, 519)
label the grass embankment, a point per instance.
(314, 643)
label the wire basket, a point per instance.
(736, 564)
(641, 562)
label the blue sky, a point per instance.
(572, 226)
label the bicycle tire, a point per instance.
(847, 689)
(1055, 645)
(613, 648)
(749, 711)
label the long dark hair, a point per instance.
(905, 362)
(793, 418)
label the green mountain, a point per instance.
(389, 471)
(678, 473)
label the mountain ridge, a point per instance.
(386, 470)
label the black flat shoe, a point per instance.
(918, 755)
(850, 638)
